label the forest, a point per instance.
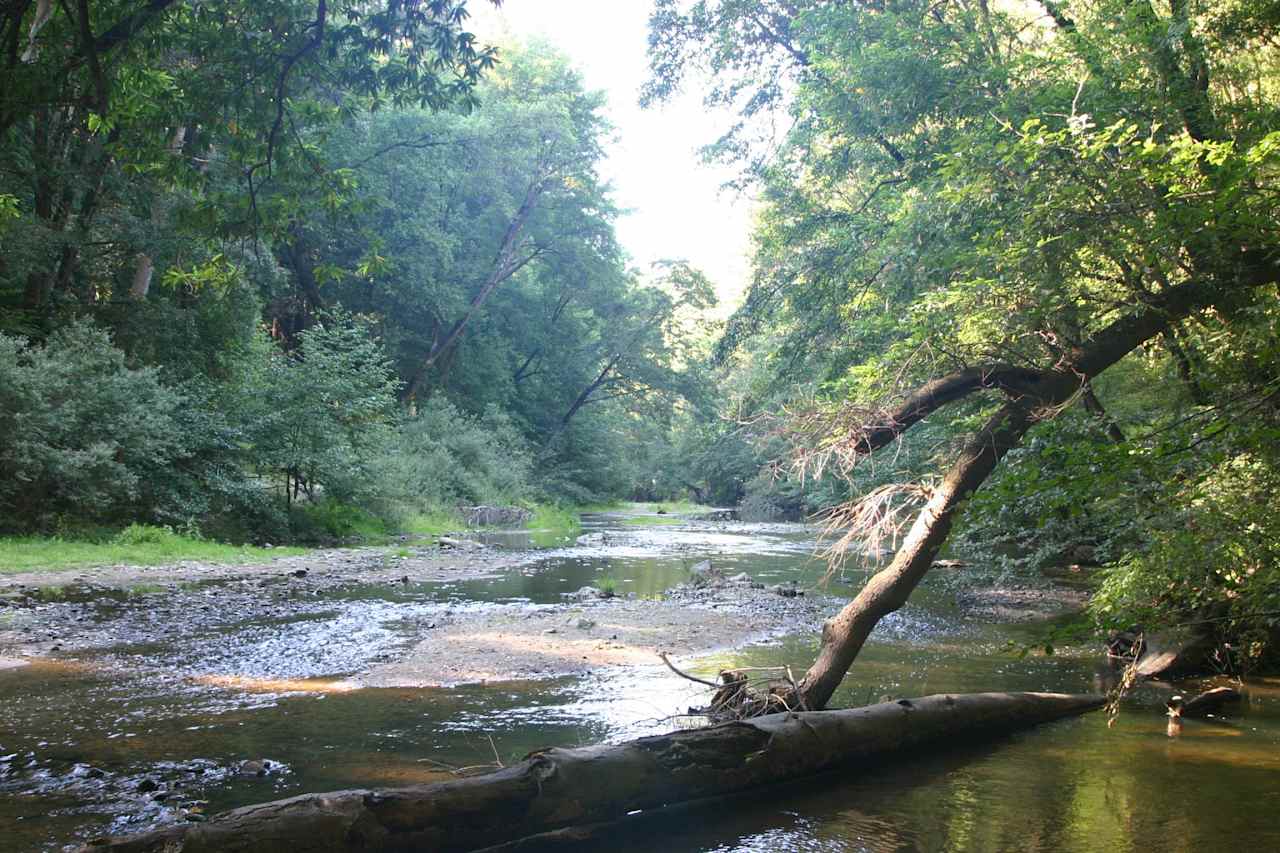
(316, 307)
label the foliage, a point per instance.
(969, 184)
(330, 520)
(444, 458)
(1213, 562)
(324, 409)
(81, 433)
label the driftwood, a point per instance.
(557, 792)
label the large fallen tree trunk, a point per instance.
(559, 788)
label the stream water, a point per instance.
(84, 739)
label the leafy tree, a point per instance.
(980, 211)
(324, 410)
(127, 126)
(82, 432)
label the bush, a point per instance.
(1215, 564)
(442, 458)
(333, 520)
(143, 534)
(81, 434)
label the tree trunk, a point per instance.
(558, 788)
(1033, 396)
(145, 265)
(142, 273)
(505, 265)
(844, 634)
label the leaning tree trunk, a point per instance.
(1033, 396)
(844, 633)
(557, 789)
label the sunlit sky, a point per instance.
(677, 209)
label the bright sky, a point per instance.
(677, 208)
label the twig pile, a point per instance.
(740, 696)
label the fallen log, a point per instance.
(556, 790)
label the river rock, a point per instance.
(704, 574)
(448, 542)
(586, 593)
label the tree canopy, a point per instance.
(982, 217)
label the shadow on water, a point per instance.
(273, 688)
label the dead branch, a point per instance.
(678, 672)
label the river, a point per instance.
(112, 740)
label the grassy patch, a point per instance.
(550, 526)
(138, 545)
(432, 523)
(678, 507)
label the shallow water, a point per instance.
(187, 709)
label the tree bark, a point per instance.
(844, 634)
(558, 788)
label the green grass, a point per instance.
(138, 545)
(550, 525)
(432, 523)
(677, 507)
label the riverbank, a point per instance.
(92, 611)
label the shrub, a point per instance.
(81, 433)
(143, 534)
(443, 458)
(1215, 564)
(330, 519)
